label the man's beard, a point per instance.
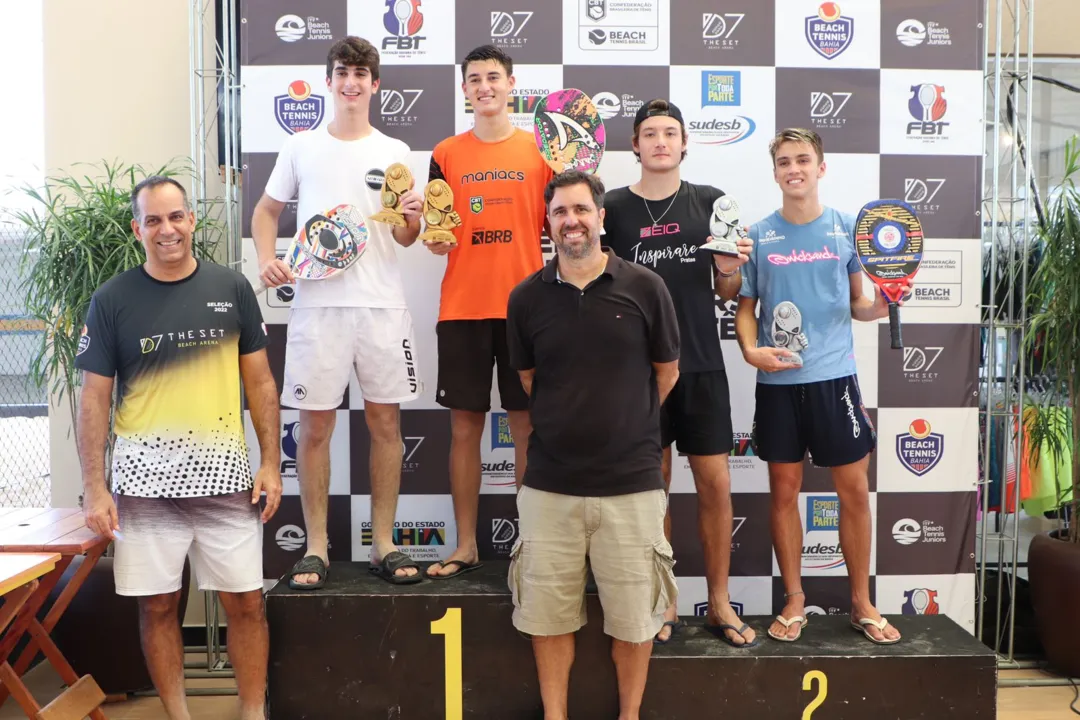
(577, 251)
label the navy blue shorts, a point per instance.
(827, 418)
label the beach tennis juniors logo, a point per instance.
(927, 106)
(403, 20)
(919, 449)
(298, 109)
(290, 537)
(829, 33)
(292, 28)
(920, 601)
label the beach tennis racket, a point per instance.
(889, 244)
(569, 132)
(327, 244)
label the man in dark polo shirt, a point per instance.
(596, 343)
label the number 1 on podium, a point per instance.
(450, 626)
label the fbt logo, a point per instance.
(506, 28)
(717, 30)
(290, 537)
(826, 108)
(927, 105)
(920, 601)
(290, 439)
(403, 18)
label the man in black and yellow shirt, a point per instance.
(178, 335)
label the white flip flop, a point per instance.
(879, 624)
(787, 624)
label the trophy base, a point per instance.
(793, 360)
(390, 218)
(430, 237)
(721, 247)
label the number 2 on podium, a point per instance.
(450, 626)
(823, 691)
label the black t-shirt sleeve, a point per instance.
(662, 323)
(252, 330)
(96, 351)
(517, 333)
(435, 171)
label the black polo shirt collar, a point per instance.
(614, 264)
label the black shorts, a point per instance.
(827, 418)
(467, 351)
(697, 414)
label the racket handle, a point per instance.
(894, 326)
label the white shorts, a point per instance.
(222, 533)
(327, 344)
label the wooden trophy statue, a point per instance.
(439, 214)
(397, 182)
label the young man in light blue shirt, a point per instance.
(807, 281)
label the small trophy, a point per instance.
(439, 214)
(724, 227)
(396, 183)
(787, 332)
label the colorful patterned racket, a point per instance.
(569, 132)
(889, 244)
(327, 244)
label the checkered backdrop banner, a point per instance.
(739, 69)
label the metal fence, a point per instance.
(24, 412)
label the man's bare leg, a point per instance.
(554, 658)
(249, 649)
(466, 433)
(852, 487)
(672, 613)
(521, 429)
(712, 479)
(384, 427)
(632, 670)
(163, 648)
(785, 481)
(313, 469)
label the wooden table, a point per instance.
(59, 533)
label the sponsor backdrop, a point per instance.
(893, 86)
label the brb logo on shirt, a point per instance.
(491, 237)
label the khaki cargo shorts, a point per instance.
(621, 537)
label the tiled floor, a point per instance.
(1028, 703)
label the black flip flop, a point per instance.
(393, 562)
(463, 567)
(675, 626)
(718, 631)
(308, 564)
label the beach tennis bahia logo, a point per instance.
(919, 449)
(829, 33)
(821, 548)
(299, 109)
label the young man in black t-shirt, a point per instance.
(660, 222)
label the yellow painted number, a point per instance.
(823, 691)
(450, 626)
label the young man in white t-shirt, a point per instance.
(356, 321)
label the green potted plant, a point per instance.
(78, 235)
(1053, 433)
